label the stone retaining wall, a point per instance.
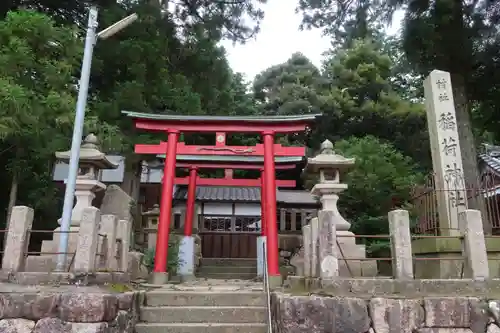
(68, 312)
(334, 314)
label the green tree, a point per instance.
(217, 18)
(288, 88)
(381, 179)
(243, 102)
(157, 66)
(37, 88)
(361, 100)
(447, 35)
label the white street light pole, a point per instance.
(90, 41)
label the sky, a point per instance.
(279, 38)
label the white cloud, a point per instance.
(279, 38)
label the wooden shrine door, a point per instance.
(229, 236)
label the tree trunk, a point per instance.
(12, 202)
(468, 148)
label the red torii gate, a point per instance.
(206, 162)
(174, 125)
(193, 181)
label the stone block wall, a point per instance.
(68, 312)
(384, 314)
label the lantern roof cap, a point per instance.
(90, 154)
(328, 159)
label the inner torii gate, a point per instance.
(173, 125)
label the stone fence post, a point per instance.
(314, 247)
(399, 229)
(123, 233)
(21, 221)
(88, 235)
(109, 224)
(327, 231)
(306, 243)
(473, 244)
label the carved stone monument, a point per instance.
(445, 149)
(87, 184)
(331, 167)
(452, 197)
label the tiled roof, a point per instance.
(491, 161)
(243, 194)
(221, 193)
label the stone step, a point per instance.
(209, 298)
(201, 328)
(228, 262)
(227, 276)
(228, 269)
(203, 314)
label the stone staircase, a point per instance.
(221, 268)
(204, 309)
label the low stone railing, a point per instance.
(101, 245)
(326, 253)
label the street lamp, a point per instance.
(90, 41)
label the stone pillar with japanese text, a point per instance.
(446, 153)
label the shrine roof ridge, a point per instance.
(251, 119)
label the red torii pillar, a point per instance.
(191, 198)
(160, 274)
(270, 207)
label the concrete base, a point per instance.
(46, 263)
(186, 257)
(451, 263)
(159, 278)
(261, 242)
(62, 278)
(187, 278)
(346, 249)
(275, 281)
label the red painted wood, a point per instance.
(262, 205)
(270, 188)
(191, 197)
(183, 149)
(161, 254)
(232, 166)
(231, 182)
(247, 127)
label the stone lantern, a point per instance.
(87, 184)
(331, 168)
(152, 217)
